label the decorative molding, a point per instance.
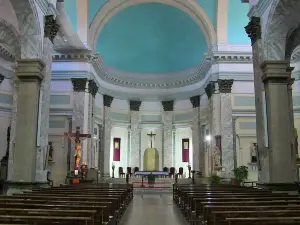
(93, 88)
(43, 5)
(230, 57)
(135, 105)
(210, 89)
(195, 100)
(107, 100)
(51, 27)
(253, 29)
(79, 84)
(168, 105)
(225, 85)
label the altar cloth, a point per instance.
(155, 173)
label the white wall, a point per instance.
(119, 132)
(145, 143)
(182, 133)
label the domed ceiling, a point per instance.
(151, 38)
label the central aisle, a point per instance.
(152, 210)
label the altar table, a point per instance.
(155, 173)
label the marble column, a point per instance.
(213, 94)
(277, 81)
(198, 152)
(253, 29)
(50, 31)
(107, 126)
(167, 133)
(227, 154)
(24, 155)
(135, 134)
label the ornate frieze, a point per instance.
(168, 105)
(51, 27)
(253, 29)
(107, 100)
(93, 88)
(225, 85)
(210, 89)
(135, 105)
(79, 84)
(195, 100)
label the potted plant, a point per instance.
(215, 179)
(240, 175)
(151, 179)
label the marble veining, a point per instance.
(167, 138)
(196, 141)
(107, 140)
(135, 139)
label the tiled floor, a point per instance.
(152, 210)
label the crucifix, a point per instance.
(151, 135)
(75, 138)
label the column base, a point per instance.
(280, 187)
(11, 187)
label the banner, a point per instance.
(117, 149)
(185, 150)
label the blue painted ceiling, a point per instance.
(151, 38)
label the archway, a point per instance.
(151, 159)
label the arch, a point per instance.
(283, 17)
(188, 6)
(29, 27)
(293, 41)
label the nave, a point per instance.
(152, 209)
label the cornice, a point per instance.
(43, 4)
(259, 8)
(230, 57)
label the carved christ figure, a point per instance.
(75, 138)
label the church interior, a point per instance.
(134, 92)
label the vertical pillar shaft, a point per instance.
(198, 153)
(30, 76)
(107, 100)
(167, 133)
(277, 79)
(135, 135)
(226, 128)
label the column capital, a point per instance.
(253, 29)
(79, 84)
(51, 27)
(107, 100)
(195, 100)
(276, 71)
(30, 69)
(135, 105)
(168, 105)
(225, 85)
(93, 88)
(210, 89)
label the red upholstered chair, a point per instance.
(121, 173)
(129, 171)
(172, 172)
(136, 169)
(180, 171)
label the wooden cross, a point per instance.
(151, 135)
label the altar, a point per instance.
(155, 173)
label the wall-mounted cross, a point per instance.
(151, 135)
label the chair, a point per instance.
(165, 169)
(136, 169)
(121, 173)
(172, 172)
(180, 172)
(129, 171)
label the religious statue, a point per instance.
(50, 157)
(253, 153)
(77, 142)
(217, 157)
(84, 169)
(151, 135)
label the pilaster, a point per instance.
(198, 152)
(29, 73)
(167, 133)
(135, 134)
(227, 153)
(107, 126)
(277, 81)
